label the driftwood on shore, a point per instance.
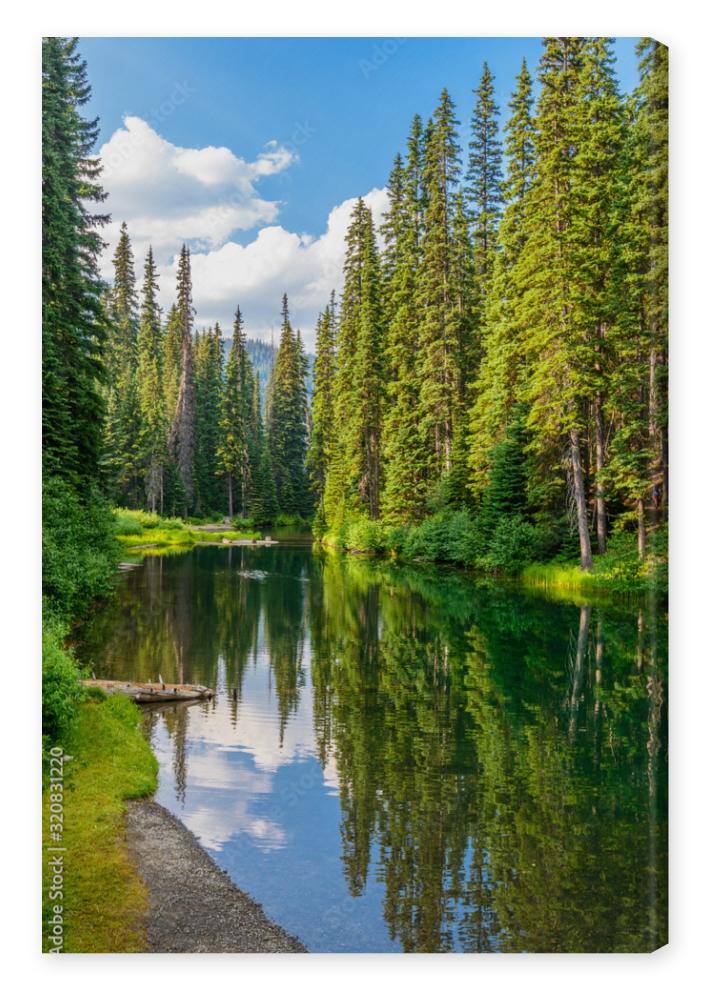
(151, 691)
(249, 541)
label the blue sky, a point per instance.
(335, 112)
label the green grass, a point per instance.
(104, 899)
(619, 572)
(138, 529)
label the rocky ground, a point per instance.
(195, 907)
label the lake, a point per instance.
(402, 759)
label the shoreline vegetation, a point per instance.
(462, 542)
(107, 760)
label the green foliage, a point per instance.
(73, 318)
(61, 690)
(78, 548)
(287, 422)
(619, 571)
(362, 534)
(449, 536)
(105, 901)
(353, 482)
(514, 543)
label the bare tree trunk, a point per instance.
(580, 498)
(579, 667)
(601, 515)
(657, 442)
(230, 486)
(641, 530)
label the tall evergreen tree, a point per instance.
(263, 506)
(403, 446)
(233, 445)
(150, 389)
(439, 356)
(322, 434)
(498, 378)
(484, 176)
(73, 320)
(208, 391)
(559, 385)
(287, 428)
(123, 430)
(354, 480)
(182, 429)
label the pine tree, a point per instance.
(208, 386)
(73, 320)
(123, 431)
(322, 432)
(652, 208)
(484, 177)
(182, 430)
(506, 491)
(439, 357)
(559, 386)
(233, 453)
(354, 479)
(287, 428)
(150, 389)
(263, 506)
(403, 447)
(500, 371)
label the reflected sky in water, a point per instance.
(398, 759)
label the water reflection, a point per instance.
(398, 759)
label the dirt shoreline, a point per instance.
(194, 905)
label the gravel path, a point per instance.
(195, 907)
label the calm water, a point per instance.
(398, 759)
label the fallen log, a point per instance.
(151, 692)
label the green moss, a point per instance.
(104, 899)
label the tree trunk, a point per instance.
(658, 498)
(580, 498)
(231, 496)
(641, 530)
(579, 667)
(601, 515)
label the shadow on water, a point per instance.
(398, 759)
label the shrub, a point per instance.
(515, 542)
(79, 550)
(364, 535)
(448, 536)
(395, 538)
(61, 690)
(127, 522)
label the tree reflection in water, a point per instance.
(501, 759)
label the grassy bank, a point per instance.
(512, 549)
(104, 899)
(156, 535)
(617, 573)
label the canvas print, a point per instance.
(355, 494)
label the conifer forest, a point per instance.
(497, 358)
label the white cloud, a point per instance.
(169, 195)
(256, 274)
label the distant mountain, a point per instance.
(262, 358)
